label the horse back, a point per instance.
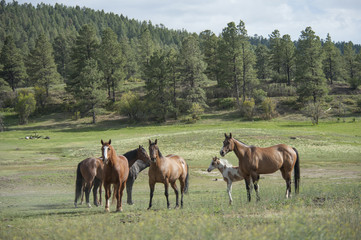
(88, 168)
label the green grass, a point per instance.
(37, 180)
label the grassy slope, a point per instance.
(37, 180)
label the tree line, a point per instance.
(95, 59)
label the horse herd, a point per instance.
(122, 170)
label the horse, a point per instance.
(167, 170)
(88, 174)
(254, 161)
(138, 160)
(116, 170)
(230, 174)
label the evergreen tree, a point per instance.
(276, 54)
(331, 62)
(157, 86)
(192, 68)
(13, 69)
(208, 46)
(131, 67)
(263, 62)
(62, 50)
(309, 74)
(173, 76)
(111, 61)
(41, 65)
(349, 63)
(288, 51)
(89, 92)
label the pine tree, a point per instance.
(350, 65)
(41, 65)
(331, 62)
(288, 51)
(263, 62)
(111, 61)
(13, 69)
(192, 68)
(276, 54)
(208, 46)
(309, 74)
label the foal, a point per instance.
(167, 170)
(116, 172)
(230, 174)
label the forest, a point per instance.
(83, 63)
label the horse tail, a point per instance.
(78, 184)
(297, 172)
(187, 181)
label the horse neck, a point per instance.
(112, 156)
(160, 159)
(239, 149)
(131, 156)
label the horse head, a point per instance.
(153, 150)
(142, 154)
(228, 145)
(214, 164)
(106, 148)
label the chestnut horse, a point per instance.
(254, 161)
(116, 170)
(167, 170)
(89, 172)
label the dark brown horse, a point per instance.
(89, 173)
(254, 161)
(116, 170)
(167, 170)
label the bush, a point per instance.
(196, 111)
(225, 103)
(269, 109)
(247, 108)
(354, 82)
(315, 111)
(25, 105)
(259, 96)
(130, 105)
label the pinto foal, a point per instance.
(230, 174)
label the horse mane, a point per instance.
(131, 154)
(160, 154)
(226, 163)
(242, 142)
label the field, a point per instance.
(37, 180)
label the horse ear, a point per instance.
(225, 135)
(230, 135)
(150, 142)
(102, 142)
(155, 141)
(110, 141)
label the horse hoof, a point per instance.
(130, 203)
(76, 205)
(119, 210)
(107, 210)
(89, 206)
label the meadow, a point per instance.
(37, 182)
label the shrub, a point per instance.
(130, 105)
(269, 109)
(25, 105)
(259, 95)
(247, 108)
(315, 111)
(354, 82)
(196, 111)
(225, 103)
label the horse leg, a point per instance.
(97, 184)
(107, 196)
(122, 186)
(151, 186)
(287, 177)
(82, 193)
(166, 183)
(88, 188)
(247, 181)
(174, 186)
(117, 195)
(255, 178)
(229, 191)
(129, 184)
(100, 193)
(183, 188)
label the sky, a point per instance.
(341, 19)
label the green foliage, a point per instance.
(332, 61)
(130, 105)
(196, 111)
(269, 109)
(309, 76)
(40, 96)
(13, 69)
(225, 103)
(247, 108)
(259, 95)
(315, 110)
(25, 106)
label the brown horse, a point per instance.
(116, 170)
(254, 161)
(167, 170)
(89, 172)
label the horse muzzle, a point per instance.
(209, 170)
(222, 153)
(153, 159)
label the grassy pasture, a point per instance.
(37, 180)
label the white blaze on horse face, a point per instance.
(105, 153)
